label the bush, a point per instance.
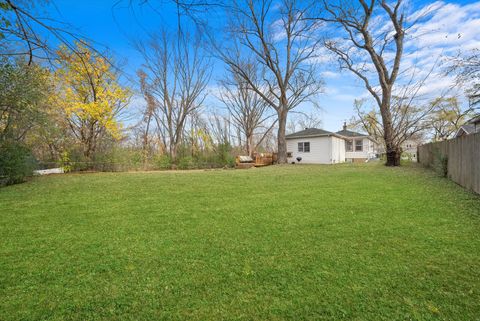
(16, 163)
(186, 162)
(224, 156)
(162, 162)
(65, 162)
(440, 163)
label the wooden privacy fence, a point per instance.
(462, 157)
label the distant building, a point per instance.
(470, 127)
(409, 150)
(318, 146)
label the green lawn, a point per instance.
(344, 242)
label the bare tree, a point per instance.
(467, 70)
(247, 109)
(373, 52)
(282, 42)
(447, 117)
(304, 120)
(367, 121)
(408, 119)
(148, 114)
(219, 128)
(177, 74)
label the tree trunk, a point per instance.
(392, 150)
(281, 142)
(145, 143)
(173, 153)
(393, 157)
(87, 150)
(250, 146)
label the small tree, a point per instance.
(89, 97)
(447, 117)
(23, 95)
(408, 120)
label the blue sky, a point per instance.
(452, 27)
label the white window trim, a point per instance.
(355, 146)
(302, 144)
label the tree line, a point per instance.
(71, 105)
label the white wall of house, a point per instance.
(368, 149)
(323, 150)
(338, 150)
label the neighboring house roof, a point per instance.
(466, 129)
(349, 133)
(474, 120)
(311, 132)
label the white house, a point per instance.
(318, 146)
(409, 148)
(358, 147)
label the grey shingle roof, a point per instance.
(468, 128)
(474, 120)
(349, 133)
(310, 132)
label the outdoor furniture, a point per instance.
(244, 162)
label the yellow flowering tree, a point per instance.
(89, 96)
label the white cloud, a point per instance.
(330, 74)
(441, 30)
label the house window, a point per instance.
(359, 145)
(349, 146)
(304, 147)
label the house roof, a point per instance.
(310, 132)
(317, 132)
(349, 133)
(467, 128)
(474, 120)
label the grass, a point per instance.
(343, 242)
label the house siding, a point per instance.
(323, 150)
(367, 152)
(338, 150)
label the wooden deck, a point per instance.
(258, 160)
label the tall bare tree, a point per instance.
(247, 109)
(360, 43)
(176, 74)
(282, 42)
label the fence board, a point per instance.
(463, 154)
